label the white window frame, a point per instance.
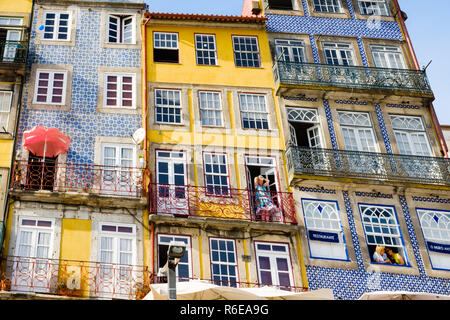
(210, 108)
(273, 255)
(121, 29)
(290, 45)
(169, 106)
(117, 236)
(325, 7)
(166, 41)
(50, 87)
(378, 7)
(225, 264)
(257, 115)
(339, 48)
(243, 51)
(357, 128)
(217, 160)
(199, 41)
(5, 108)
(410, 132)
(35, 230)
(119, 90)
(381, 54)
(55, 33)
(188, 252)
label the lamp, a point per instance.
(175, 252)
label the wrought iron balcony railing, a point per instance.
(354, 77)
(368, 165)
(13, 51)
(65, 177)
(222, 203)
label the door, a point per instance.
(119, 176)
(172, 191)
(12, 42)
(33, 269)
(340, 54)
(319, 158)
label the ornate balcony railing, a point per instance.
(222, 203)
(64, 177)
(352, 77)
(368, 165)
(76, 278)
(13, 51)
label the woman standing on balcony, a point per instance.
(263, 199)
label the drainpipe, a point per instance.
(436, 124)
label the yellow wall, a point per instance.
(6, 147)
(76, 240)
(226, 73)
(16, 6)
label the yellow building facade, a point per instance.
(213, 127)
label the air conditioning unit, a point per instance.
(256, 9)
(74, 279)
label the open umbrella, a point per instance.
(271, 293)
(43, 142)
(200, 290)
(402, 295)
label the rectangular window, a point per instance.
(281, 4)
(330, 6)
(50, 87)
(57, 26)
(382, 231)
(121, 29)
(357, 131)
(338, 54)
(374, 7)
(120, 91)
(324, 229)
(210, 108)
(205, 48)
(410, 135)
(254, 113)
(183, 269)
(274, 264)
(118, 174)
(165, 47)
(168, 106)
(290, 50)
(246, 52)
(5, 108)
(216, 174)
(387, 57)
(223, 262)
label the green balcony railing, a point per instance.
(354, 77)
(368, 166)
(13, 52)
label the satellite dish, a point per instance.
(139, 135)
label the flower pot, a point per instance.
(5, 285)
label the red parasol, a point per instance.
(43, 142)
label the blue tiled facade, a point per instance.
(350, 284)
(82, 123)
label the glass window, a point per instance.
(435, 226)
(246, 51)
(5, 108)
(223, 262)
(165, 47)
(120, 91)
(168, 106)
(373, 7)
(50, 87)
(382, 233)
(183, 269)
(338, 54)
(210, 108)
(357, 131)
(56, 26)
(216, 174)
(253, 111)
(331, 6)
(410, 135)
(290, 50)
(205, 45)
(274, 265)
(121, 29)
(387, 57)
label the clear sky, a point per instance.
(428, 26)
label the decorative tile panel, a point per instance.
(384, 132)
(317, 190)
(330, 124)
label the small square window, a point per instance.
(246, 52)
(56, 26)
(121, 29)
(119, 91)
(50, 87)
(165, 47)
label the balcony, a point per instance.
(78, 180)
(304, 163)
(221, 203)
(13, 53)
(76, 278)
(320, 76)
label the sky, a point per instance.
(427, 26)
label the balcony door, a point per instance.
(342, 55)
(10, 37)
(291, 55)
(118, 174)
(171, 176)
(41, 173)
(32, 269)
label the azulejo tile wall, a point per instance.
(82, 123)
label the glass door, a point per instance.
(119, 175)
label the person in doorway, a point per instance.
(394, 256)
(264, 204)
(380, 255)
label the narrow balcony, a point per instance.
(13, 53)
(320, 76)
(222, 203)
(72, 180)
(93, 280)
(307, 163)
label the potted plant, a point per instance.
(5, 283)
(141, 291)
(61, 288)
